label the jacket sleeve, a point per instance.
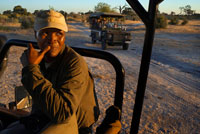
(59, 103)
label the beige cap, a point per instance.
(50, 19)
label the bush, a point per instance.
(13, 20)
(3, 18)
(161, 21)
(184, 22)
(174, 21)
(5, 28)
(27, 22)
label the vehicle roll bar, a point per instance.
(120, 73)
(149, 20)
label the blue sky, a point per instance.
(86, 5)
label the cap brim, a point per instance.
(51, 25)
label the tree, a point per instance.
(121, 8)
(174, 20)
(103, 7)
(130, 14)
(36, 12)
(128, 11)
(172, 13)
(7, 12)
(161, 21)
(188, 11)
(181, 10)
(89, 12)
(19, 10)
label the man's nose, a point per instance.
(51, 37)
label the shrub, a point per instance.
(161, 21)
(174, 21)
(27, 22)
(184, 22)
(13, 20)
(3, 18)
(5, 28)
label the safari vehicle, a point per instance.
(108, 29)
(8, 116)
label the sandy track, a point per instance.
(172, 98)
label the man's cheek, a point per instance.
(62, 40)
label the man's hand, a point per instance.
(32, 56)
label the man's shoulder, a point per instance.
(72, 55)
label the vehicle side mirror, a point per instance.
(3, 65)
(22, 98)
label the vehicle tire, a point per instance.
(93, 41)
(103, 45)
(125, 46)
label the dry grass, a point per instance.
(193, 26)
(10, 24)
(127, 22)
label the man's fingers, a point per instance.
(30, 45)
(45, 50)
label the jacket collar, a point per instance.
(55, 63)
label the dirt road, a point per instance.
(172, 100)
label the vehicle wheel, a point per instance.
(93, 41)
(125, 46)
(103, 45)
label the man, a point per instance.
(58, 80)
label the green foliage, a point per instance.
(128, 11)
(5, 28)
(7, 12)
(27, 22)
(15, 15)
(13, 20)
(187, 10)
(121, 8)
(130, 14)
(174, 21)
(51, 8)
(161, 21)
(184, 22)
(103, 7)
(3, 18)
(19, 10)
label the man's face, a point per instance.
(52, 37)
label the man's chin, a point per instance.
(50, 56)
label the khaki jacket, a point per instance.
(63, 89)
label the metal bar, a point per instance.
(145, 61)
(139, 9)
(120, 73)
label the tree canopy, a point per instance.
(187, 10)
(103, 7)
(19, 10)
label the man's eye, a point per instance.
(59, 34)
(44, 34)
